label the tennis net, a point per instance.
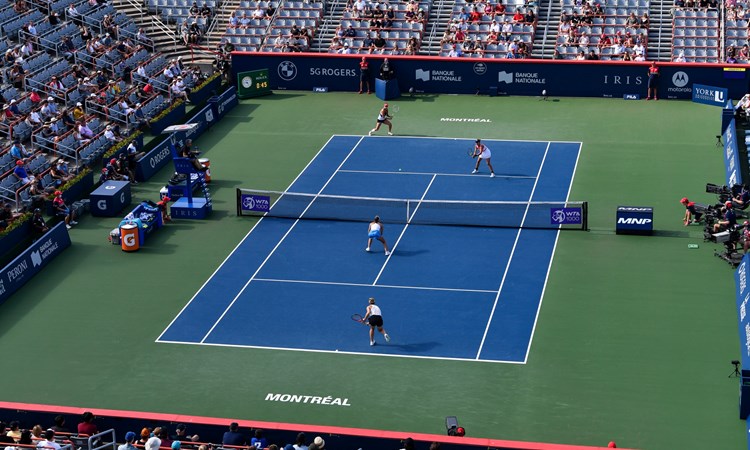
(503, 214)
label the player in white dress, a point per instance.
(383, 118)
(481, 152)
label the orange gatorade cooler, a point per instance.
(129, 237)
(205, 162)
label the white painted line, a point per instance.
(307, 350)
(238, 245)
(389, 286)
(408, 219)
(552, 258)
(279, 243)
(476, 175)
(512, 251)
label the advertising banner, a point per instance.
(33, 260)
(471, 76)
(731, 156)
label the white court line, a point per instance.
(279, 243)
(552, 258)
(308, 350)
(476, 175)
(512, 251)
(390, 286)
(239, 244)
(460, 139)
(408, 219)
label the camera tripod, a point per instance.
(718, 141)
(736, 373)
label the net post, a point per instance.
(585, 210)
(239, 202)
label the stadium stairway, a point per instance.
(548, 23)
(440, 16)
(334, 12)
(220, 25)
(165, 37)
(660, 31)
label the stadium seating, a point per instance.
(696, 35)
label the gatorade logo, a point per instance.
(110, 187)
(129, 240)
(122, 198)
(101, 204)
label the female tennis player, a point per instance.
(483, 153)
(375, 231)
(374, 318)
(383, 118)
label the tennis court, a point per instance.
(450, 292)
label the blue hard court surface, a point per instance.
(449, 292)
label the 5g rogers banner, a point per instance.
(305, 71)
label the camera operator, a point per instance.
(741, 199)
(746, 236)
(729, 219)
(691, 215)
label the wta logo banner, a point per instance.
(566, 216)
(258, 203)
(710, 95)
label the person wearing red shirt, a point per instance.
(518, 17)
(475, 16)
(499, 8)
(87, 425)
(364, 75)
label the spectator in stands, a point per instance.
(181, 430)
(317, 444)
(14, 431)
(517, 17)
(139, 117)
(142, 38)
(13, 110)
(244, 20)
(86, 135)
(48, 442)
(744, 54)
(17, 75)
(18, 151)
(604, 42)
(506, 32)
(59, 426)
(680, 58)
(73, 14)
(153, 442)
(258, 441)
(300, 443)
(258, 12)
(359, 8)
(33, 120)
(379, 43)
(129, 441)
(38, 225)
(110, 135)
(205, 11)
(78, 112)
(592, 56)
(24, 177)
(499, 9)
(195, 10)
(731, 55)
(583, 42)
(7, 216)
(233, 436)
(598, 11)
(474, 15)
(56, 87)
(59, 171)
(177, 92)
(513, 49)
(530, 17)
(87, 425)
(67, 48)
(455, 52)
(412, 46)
(270, 11)
(20, 6)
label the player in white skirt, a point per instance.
(481, 152)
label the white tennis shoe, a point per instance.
(387, 253)
(372, 343)
(367, 249)
(390, 134)
(387, 338)
(474, 171)
(370, 133)
(492, 175)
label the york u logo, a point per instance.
(129, 240)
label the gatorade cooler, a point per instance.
(129, 237)
(205, 162)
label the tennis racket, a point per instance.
(393, 110)
(358, 318)
(470, 152)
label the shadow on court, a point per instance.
(419, 348)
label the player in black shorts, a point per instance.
(374, 318)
